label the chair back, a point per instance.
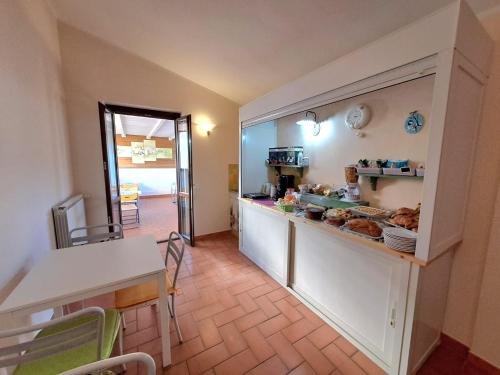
(175, 249)
(129, 198)
(100, 233)
(83, 327)
(98, 367)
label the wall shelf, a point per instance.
(278, 167)
(374, 178)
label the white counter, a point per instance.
(361, 287)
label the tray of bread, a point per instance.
(405, 217)
(370, 212)
(365, 228)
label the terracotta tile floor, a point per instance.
(235, 319)
(158, 217)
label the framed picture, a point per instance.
(137, 152)
(124, 151)
(164, 153)
(149, 150)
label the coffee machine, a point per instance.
(285, 181)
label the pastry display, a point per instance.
(406, 217)
(314, 213)
(336, 221)
(364, 226)
(369, 211)
(338, 213)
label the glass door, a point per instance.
(110, 164)
(184, 167)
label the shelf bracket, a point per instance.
(373, 182)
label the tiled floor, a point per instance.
(235, 319)
(158, 217)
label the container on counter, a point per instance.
(351, 175)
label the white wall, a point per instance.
(473, 309)
(34, 155)
(152, 181)
(385, 138)
(486, 339)
(257, 140)
(96, 71)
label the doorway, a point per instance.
(148, 170)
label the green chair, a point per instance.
(98, 367)
(63, 343)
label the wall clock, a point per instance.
(357, 117)
(414, 122)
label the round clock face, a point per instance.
(357, 117)
(414, 123)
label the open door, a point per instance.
(110, 164)
(184, 168)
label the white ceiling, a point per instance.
(135, 125)
(242, 49)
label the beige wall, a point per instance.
(95, 71)
(473, 309)
(34, 155)
(385, 138)
(486, 340)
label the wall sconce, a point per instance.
(205, 128)
(309, 119)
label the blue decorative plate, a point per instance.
(414, 123)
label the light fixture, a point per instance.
(310, 120)
(206, 128)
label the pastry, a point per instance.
(336, 221)
(406, 218)
(365, 226)
(338, 212)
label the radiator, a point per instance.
(68, 215)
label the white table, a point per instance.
(73, 274)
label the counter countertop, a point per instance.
(268, 205)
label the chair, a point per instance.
(147, 294)
(129, 201)
(121, 360)
(100, 233)
(63, 343)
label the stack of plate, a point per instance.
(400, 239)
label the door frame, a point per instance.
(190, 178)
(123, 110)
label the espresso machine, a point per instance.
(285, 181)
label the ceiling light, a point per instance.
(309, 119)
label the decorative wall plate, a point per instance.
(357, 117)
(414, 123)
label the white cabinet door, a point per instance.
(264, 239)
(361, 290)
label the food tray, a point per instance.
(360, 212)
(380, 238)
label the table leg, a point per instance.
(164, 320)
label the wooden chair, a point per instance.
(129, 201)
(100, 233)
(98, 367)
(63, 343)
(147, 294)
